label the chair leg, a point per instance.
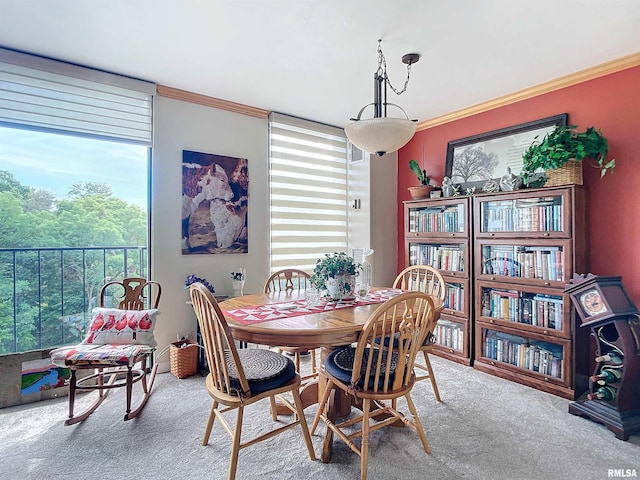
(432, 377)
(210, 420)
(364, 447)
(73, 387)
(322, 405)
(129, 391)
(235, 445)
(313, 361)
(417, 423)
(274, 409)
(297, 361)
(146, 387)
(303, 422)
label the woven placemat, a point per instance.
(259, 364)
(345, 357)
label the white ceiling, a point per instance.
(316, 59)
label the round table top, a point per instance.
(330, 328)
(323, 329)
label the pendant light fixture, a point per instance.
(382, 134)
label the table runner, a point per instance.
(275, 311)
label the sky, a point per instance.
(54, 162)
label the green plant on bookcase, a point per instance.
(565, 144)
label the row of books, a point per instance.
(449, 334)
(437, 219)
(524, 261)
(541, 357)
(454, 299)
(448, 257)
(546, 218)
(539, 310)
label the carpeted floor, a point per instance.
(485, 428)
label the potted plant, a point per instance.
(424, 189)
(561, 152)
(336, 273)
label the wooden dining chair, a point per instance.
(423, 278)
(379, 369)
(119, 344)
(290, 280)
(239, 378)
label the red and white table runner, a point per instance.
(275, 311)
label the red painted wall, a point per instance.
(610, 103)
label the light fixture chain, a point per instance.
(382, 70)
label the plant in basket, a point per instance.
(566, 147)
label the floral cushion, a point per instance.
(122, 327)
(84, 355)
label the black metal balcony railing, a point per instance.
(46, 294)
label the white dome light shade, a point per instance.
(380, 135)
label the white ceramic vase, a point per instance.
(238, 287)
(341, 286)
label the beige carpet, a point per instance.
(485, 428)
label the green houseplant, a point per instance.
(336, 273)
(565, 144)
(424, 189)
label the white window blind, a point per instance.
(41, 93)
(308, 191)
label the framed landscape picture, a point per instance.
(472, 161)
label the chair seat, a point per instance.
(339, 364)
(264, 369)
(87, 355)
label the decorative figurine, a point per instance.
(448, 189)
(490, 186)
(510, 182)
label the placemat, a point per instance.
(275, 311)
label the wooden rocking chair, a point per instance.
(119, 339)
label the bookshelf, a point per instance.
(527, 246)
(437, 233)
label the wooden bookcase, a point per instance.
(437, 233)
(527, 246)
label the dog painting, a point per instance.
(215, 193)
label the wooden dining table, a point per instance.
(326, 329)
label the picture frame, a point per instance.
(473, 161)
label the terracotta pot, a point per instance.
(420, 192)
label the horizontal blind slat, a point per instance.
(39, 98)
(308, 192)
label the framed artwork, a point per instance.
(472, 161)
(215, 192)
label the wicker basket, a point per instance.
(568, 174)
(184, 358)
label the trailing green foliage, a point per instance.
(332, 265)
(565, 143)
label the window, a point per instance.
(308, 191)
(74, 160)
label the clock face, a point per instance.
(592, 303)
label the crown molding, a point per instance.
(607, 68)
(185, 96)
